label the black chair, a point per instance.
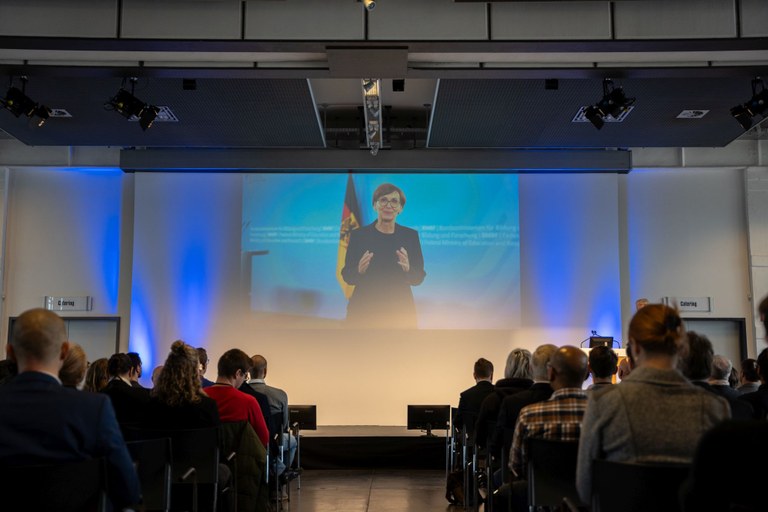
(634, 487)
(152, 458)
(721, 478)
(551, 472)
(64, 487)
(301, 417)
(194, 465)
(276, 455)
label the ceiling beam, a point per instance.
(427, 161)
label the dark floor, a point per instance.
(326, 490)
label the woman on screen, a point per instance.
(383, 261)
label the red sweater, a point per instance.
(235, 405)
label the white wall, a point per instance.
(685, 229)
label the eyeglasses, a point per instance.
(384, 202)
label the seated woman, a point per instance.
(97, 376)
(73, 367)
(177, 401)
(654, 415)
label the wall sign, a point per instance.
(688, 304)
(68, 303)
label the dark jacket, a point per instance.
(470, 401)
(489, 410)
(251, 457)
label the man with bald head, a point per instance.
(43, 422)
(558, 418)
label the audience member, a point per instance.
(129, 402)
(263, 401)
(203, 357)
(156, 374)
(517, 378)
(43, 422)
(654, 414)
(177, 401)
(472, 398)
(235, 405)
(749, 380)
(759, 399)
(762, 310)
(696, 364)
(73, 367)
(557, 418)
(512, 405)
(733, 378)
(603, 365)
(278, 405)
(8, 371)
(97, 376)
(720, 377)
(135, 373)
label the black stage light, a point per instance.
(754, 107)
(129, 106)
(613, 103)
(126, 104)
(18, 103)
(595, 116)
(147, 116)
(43, 113)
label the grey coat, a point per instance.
(653, 415)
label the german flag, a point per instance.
(350, 219)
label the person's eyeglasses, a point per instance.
(384, 202)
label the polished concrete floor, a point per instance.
(369, 491)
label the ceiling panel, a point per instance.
(221, 112)
(523, 113)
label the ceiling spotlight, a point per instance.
(369, 4)
(129, 106)
(755, 106)
(613, 104)
(18, 103)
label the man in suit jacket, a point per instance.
(43, 422)
(278, 406)
(471, 399)
(128, 401)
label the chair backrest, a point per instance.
(551, 471)
(152, 458)
(196, 449)
(64, 487)
(634, 487)
(722, 457)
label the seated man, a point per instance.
(135, 373)
(558, 418)
(472, 398)
(128, 401)
(278, 404)
(603, 365)
(44, 423)
(234, 405)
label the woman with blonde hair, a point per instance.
(74, 366)
(97, 376)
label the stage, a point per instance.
(371, 447)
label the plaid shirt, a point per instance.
(558, 418)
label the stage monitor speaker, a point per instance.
(600, 341)
(304, 415)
